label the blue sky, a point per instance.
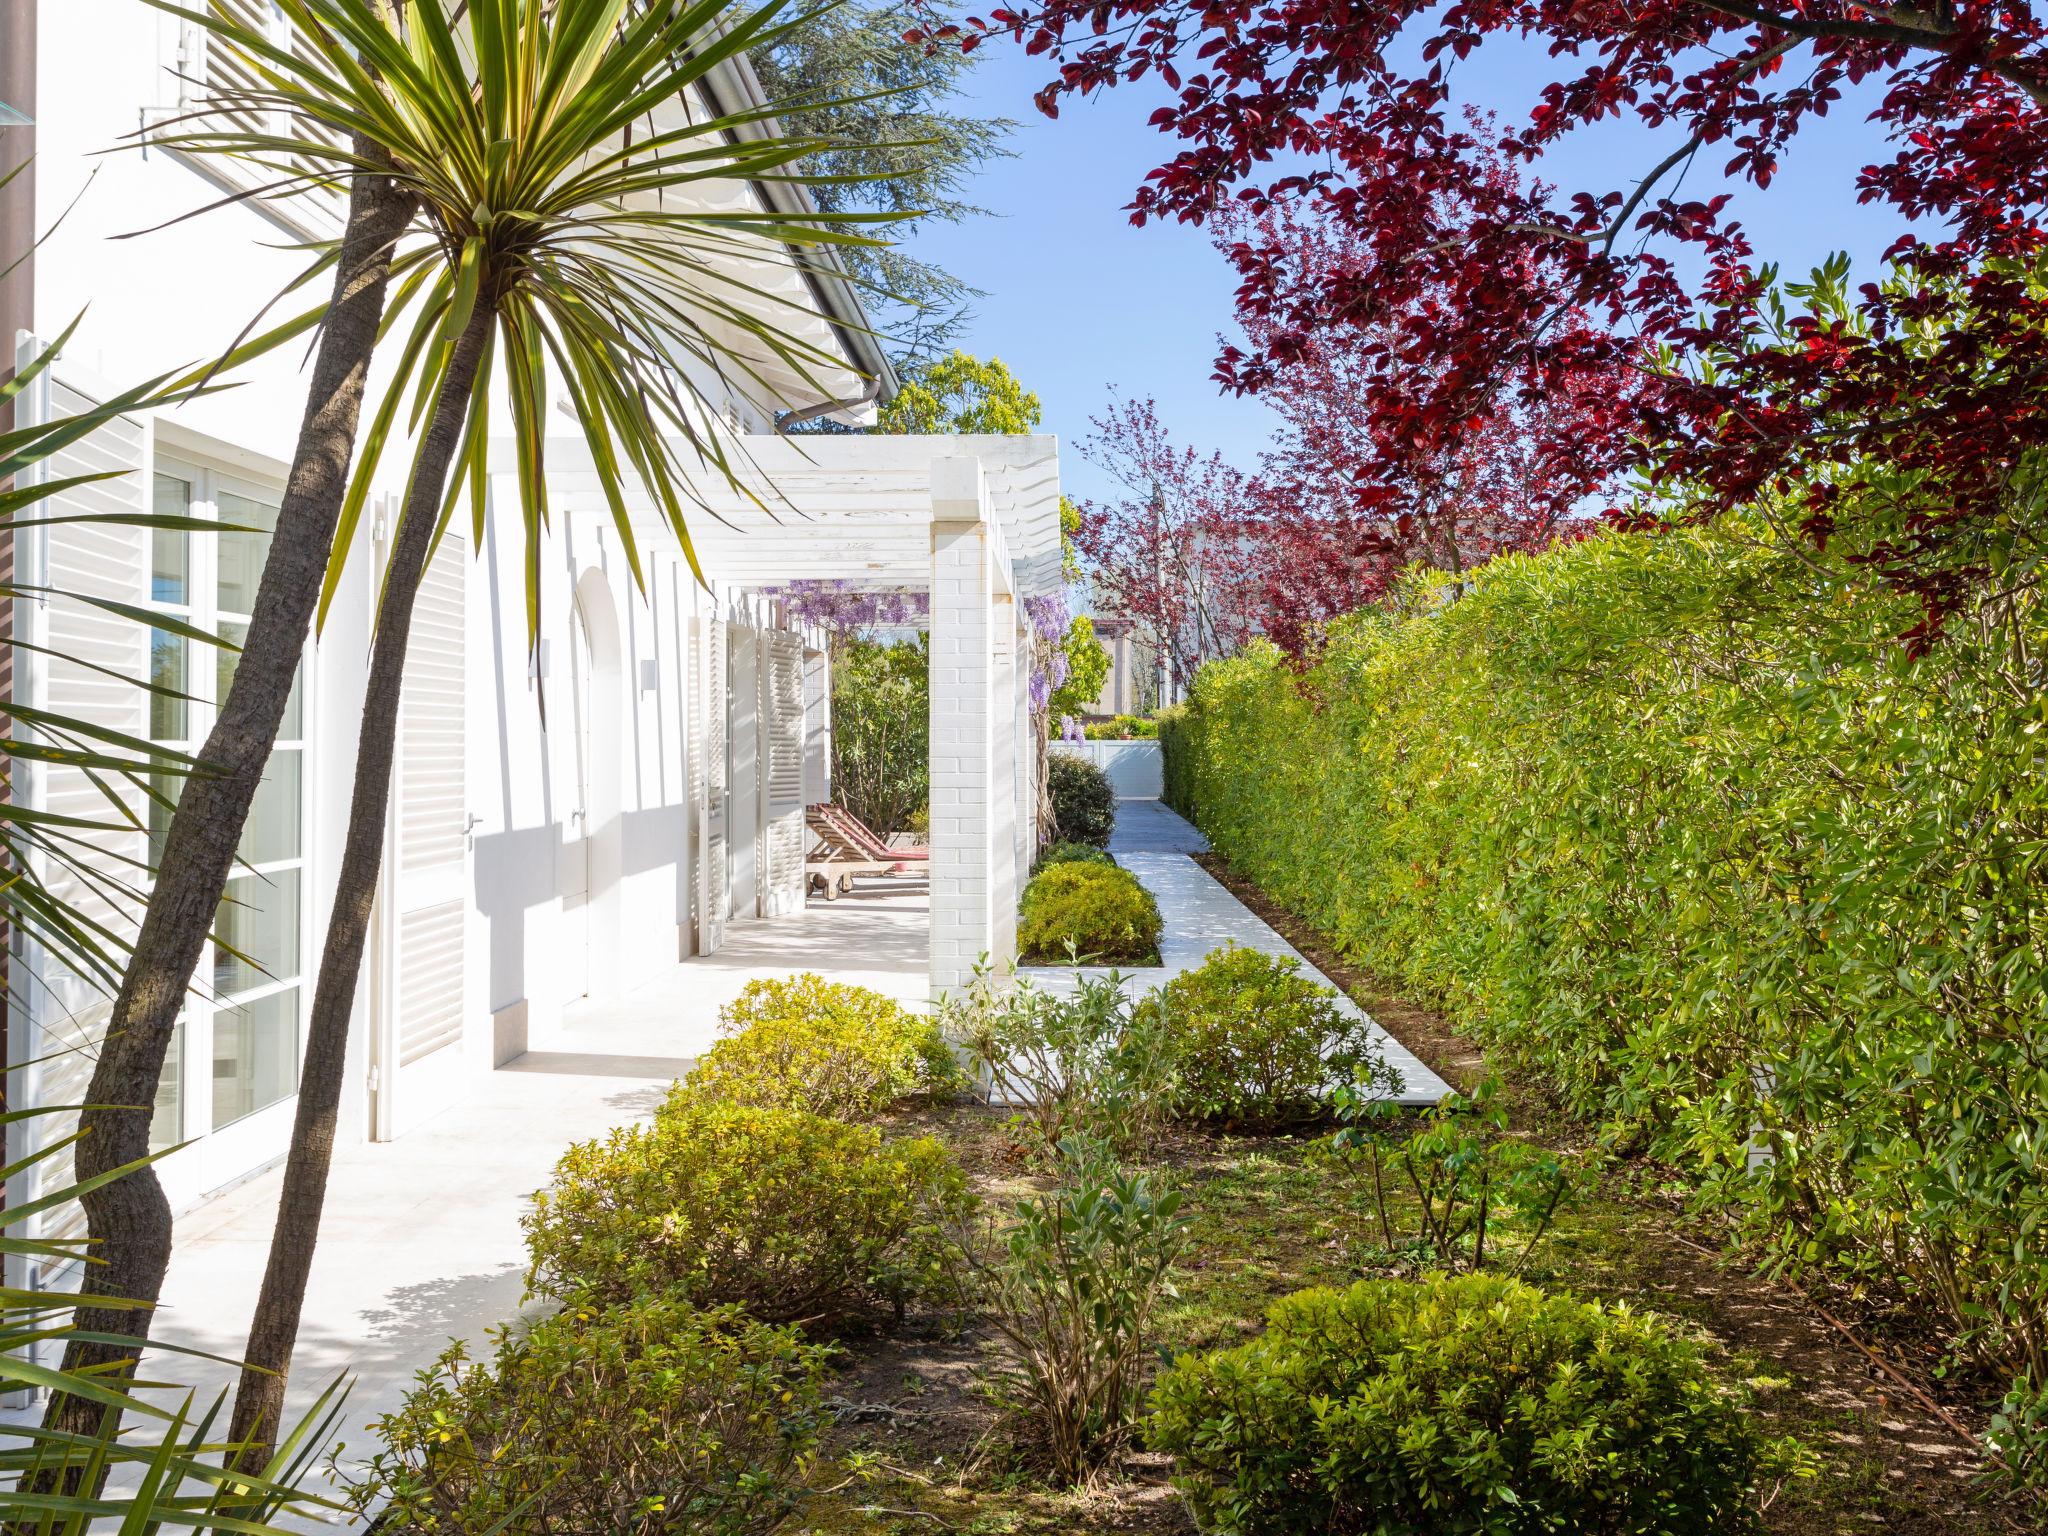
(1079, 302)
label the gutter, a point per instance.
(732, 86)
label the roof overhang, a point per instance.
(853, 508)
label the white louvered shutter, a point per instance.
(713, 894)
(783, 720)
(91, 665)
(427, 885)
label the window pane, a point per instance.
(293, 726)
(272, 830)
(167, 670)
(242, 554)
(255, 1055)
(170, 786)
(170, 563)
(259, 918)
(167, 1124)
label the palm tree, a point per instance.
(551, 181)
(59, 890)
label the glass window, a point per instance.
(256, 936)
(272, 830)
(169, 786)
(169, 709)
(241, 553)
(170, 550)
(255, 1055)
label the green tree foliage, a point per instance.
(1678, 823)
(1087, 670)
(889, 109)
(881, 731)
(961, 393)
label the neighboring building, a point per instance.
(1131, 686)
(529, 866)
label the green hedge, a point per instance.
(1677, 823)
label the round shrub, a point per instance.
(794, 1217)
(1467, 1404)
(810, 1044)
(1083, 804)
(637, 1420)
(1099, 909)
(1256, 1043)
(1071, 853)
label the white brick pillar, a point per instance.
(962, 726)
(1003, 777)
(1024, 770)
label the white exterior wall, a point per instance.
(179, 295)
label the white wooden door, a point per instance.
(714, 894)
(420, 1055)
(782, 778)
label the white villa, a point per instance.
(530, 867)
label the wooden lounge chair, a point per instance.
(837, 858)
(857, 833)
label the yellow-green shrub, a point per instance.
(821, 1046)
(1256, 1044)
(796, 1218)
(652, 1418)
(1100, 910)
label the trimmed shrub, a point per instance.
(815, 1045)
(1467, 1404)
(1083, 803)
(1677, 825)
(1121, 728)
(1071, 853)
(638, 1420)
(1098, 909)
(1176, 760)
(1258, 1045)
(796, 1218)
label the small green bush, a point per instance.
(1122, 728)
(1074, 1290)
(794, 1217)
(1470, 1404)
(1258, 1045)
(1083, 1064)
(1072, 853)
(637, 1421)
(836, 1050)
(1083, 804)
(1098, 909)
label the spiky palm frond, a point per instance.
(568, 179)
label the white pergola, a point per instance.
(973, 521)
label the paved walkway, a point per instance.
(1201, 915)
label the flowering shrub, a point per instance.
(1098, 911)
(796, 1218)
(1677, 823)
(1466, 1404)
(1083, 803)
(639, 1420)
(821, 1046)
(1257, 1044)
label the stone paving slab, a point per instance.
(1201, 916)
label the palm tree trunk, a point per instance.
(129, 1220)
(274, 1329)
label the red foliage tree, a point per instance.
(1935, 373)
(1348, 497)
(1170, 553)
